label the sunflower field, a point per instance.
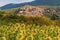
(20, 31)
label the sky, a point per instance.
(4, 2)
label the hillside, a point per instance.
(29, 10)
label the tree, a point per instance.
(54, 17)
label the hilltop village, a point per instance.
(30, 11)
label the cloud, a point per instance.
(4, 2)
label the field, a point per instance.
(14, 27)
(20, 31)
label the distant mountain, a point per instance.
(46, 2)
(36, 2)
(11, 5)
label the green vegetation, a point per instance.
(14, 27)
(20, 31)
